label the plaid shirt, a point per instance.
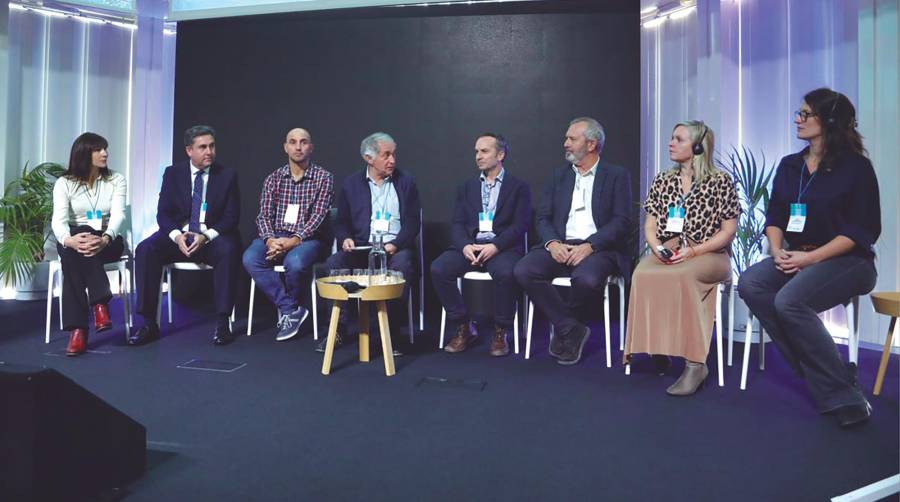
(314, 193)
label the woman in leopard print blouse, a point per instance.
(692, 212)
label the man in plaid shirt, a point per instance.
(293, 206)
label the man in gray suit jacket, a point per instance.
(583, 221)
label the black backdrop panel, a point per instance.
(432, 77)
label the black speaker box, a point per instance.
(58, 441)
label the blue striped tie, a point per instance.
(196, 201)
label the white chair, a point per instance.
(121, 267)
(566, 282)
(852, 314)
(481, 276)
(720, 290)
(166, 278)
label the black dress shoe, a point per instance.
(854, 414)
(144, 335)
(223, 335)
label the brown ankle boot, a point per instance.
(499, 345)
(465, 333)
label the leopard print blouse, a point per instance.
(708, 205)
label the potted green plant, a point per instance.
(752, 179)
(25, 211)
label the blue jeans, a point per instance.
(297, 263)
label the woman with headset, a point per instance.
(88, 218)
(692, 211)
(822, 221)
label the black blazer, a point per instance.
(223, 200)
(610, 207)
(511, 218)
(354, 205)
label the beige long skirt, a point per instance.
(671, 307)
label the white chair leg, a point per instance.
(719, 365)
(421, 301)
(516, 328)
(313, 292)
(171, 291)
(231, 319)
(250, 307)
(621, 285)
(50, 275)
(762, 348)
(443, 325)
(126, 298)
(606, 324)
(412, 326)
(731, 294)
(59, 299)
(748, 333)
(852, 313)
(528, 330)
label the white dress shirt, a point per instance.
(208, 232)
(72, 199)
(580, 224)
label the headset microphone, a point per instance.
(698, 146)
(830, 120)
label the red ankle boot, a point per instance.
(77, 342)
(102, 322)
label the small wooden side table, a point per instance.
(329, 289)
(887, 304)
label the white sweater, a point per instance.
(72, 200)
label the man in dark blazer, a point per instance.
(583, 223)
(198, 211)
(491, 217)
(379, 200)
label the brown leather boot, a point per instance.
(499, 345)
(77, 342)
(465, 333)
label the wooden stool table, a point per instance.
(887, 304)
(391, 288)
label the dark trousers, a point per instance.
(82, 272)
(403, 261)
(787, 307)
(536, 271)
(222, 253)
(452, 264)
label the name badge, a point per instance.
(292, 213)
(381, 221)
(95, 219)
(203, 212)
(486, 221)
(797, 220)
(675, 220)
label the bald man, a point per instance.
(293, 206)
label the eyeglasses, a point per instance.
(803, 115)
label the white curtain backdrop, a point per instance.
(744, 66)
(69, 75)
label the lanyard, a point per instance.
(381, 194)
(87, 194)
(801, 189)
(486, 193)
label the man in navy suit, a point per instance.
(198, 211)
(491, 217)
(379, 200)
(583, 223)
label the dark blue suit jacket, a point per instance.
(610, 207)
(223, 201)
(354, 209)
(511, 218)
